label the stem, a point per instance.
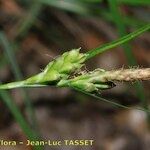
(12, 85)
(19, 84)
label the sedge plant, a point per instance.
(65, 71)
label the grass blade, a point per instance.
(118, 42)
(10, 56)
(19, 118)
(97, 96)
(18, 75)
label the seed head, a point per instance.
(132, 74)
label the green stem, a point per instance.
(12, 85)
(19, 84)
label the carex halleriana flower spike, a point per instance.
(65, 71)
(58, 69)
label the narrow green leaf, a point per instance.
(118, 42)
(19, 118)
(9, 52)
(97, 96)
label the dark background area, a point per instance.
(34, 32)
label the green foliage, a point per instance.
(65, 71)
(118, 42)
(70, 62)
(58, 69)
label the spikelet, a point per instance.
(58, 69)
(130, 75)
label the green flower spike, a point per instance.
(89, 82)
(58, 69)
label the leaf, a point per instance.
(97, 96)
(117, 42)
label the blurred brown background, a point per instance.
(34, 32)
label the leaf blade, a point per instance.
(117, 42)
